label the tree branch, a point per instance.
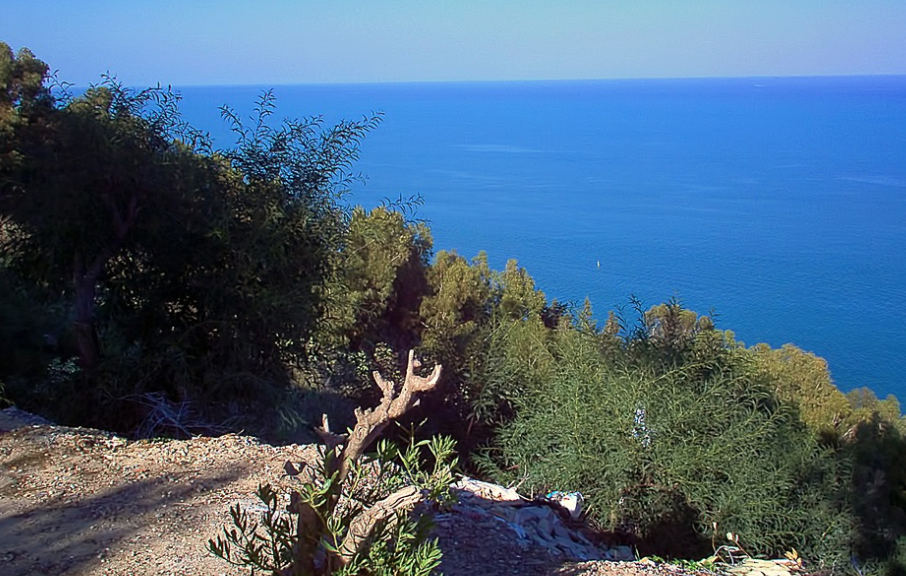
(362, 527)
(330, 439)
(121, 224)
(370, 423)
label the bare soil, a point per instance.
(75, 501)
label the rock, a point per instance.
(488, 490)
(533, 522)
(759, 567)
(13, 418)
(622, 553)
(571, 502)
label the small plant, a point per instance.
(352, 514)
(706, 565)
(61, 371)
(734, 553)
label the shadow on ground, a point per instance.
(66, 537)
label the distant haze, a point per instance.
(186, 42)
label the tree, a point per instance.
(198, 270)
(351, 515)
(378, 281)
(76, 176)
(287, 224)
(458, 302)
(664, 455)
(490, 330)
(24, 96)
(803, 379)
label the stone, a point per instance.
(539, 522)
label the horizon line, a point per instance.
(519, 81)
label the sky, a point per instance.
(273, 42)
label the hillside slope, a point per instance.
(76, 501)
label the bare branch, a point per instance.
(330, 439)
(370, 423)
(362, 527)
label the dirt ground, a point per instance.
(75, 501)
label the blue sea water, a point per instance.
(780, 203)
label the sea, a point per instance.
(777, 204)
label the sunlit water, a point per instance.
(778, 203)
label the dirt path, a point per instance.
(84, 502)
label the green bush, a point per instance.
(351, 514)
(399, 545)
(674, 458)
(30, 328)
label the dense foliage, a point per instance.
(687, 452)
(151, 284)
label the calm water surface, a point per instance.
(778, 203)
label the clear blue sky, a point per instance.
(187, 42)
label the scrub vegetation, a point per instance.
(151, 284)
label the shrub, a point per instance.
(671, 458)
(351, 516)
(803, 379)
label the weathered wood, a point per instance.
(363, 525)
(344, 450)
(370, 423)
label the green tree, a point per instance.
(803, 379)
(866, 406)
(457, 304)
(378, 282)
(24, 96)
(201, 271)
(76, 175)
(516, 348)
(517, 296)
(668, 335)
(491, 330)
(234, 316)
(287, 221)
(31, 335)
